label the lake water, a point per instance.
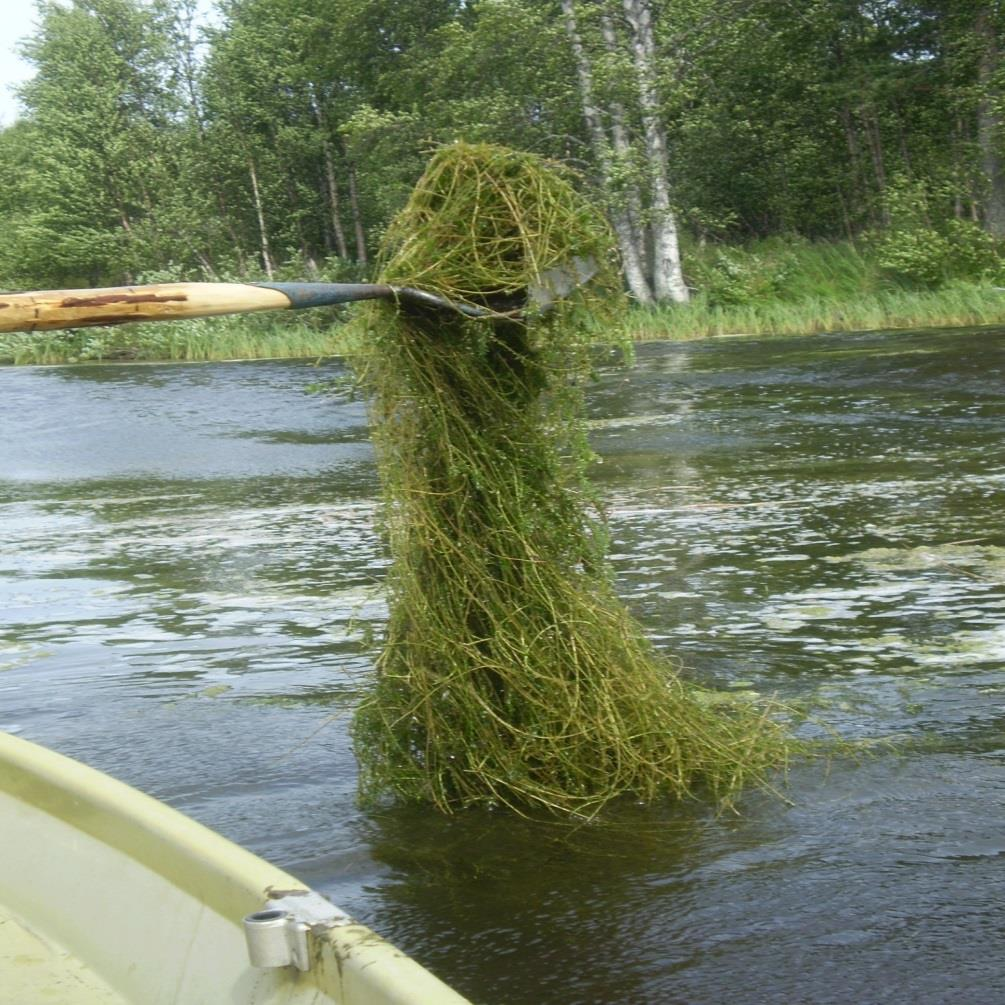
(188, 566)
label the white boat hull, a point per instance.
(135, 902)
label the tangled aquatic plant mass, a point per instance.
(511, 674)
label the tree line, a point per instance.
(286, 133)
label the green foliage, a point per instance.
(512, 675)
(735, 276)
(918, 257)
(97, 142)
(918, 248)
(784, 269)
(974, 253)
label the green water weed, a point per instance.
(511, 674)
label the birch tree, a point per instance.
(629, 141)
(628, 230)
(667, 277)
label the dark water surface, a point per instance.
(188, 566)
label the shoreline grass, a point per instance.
(245, 337)
(790, 286)
(957, 306)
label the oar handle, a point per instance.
(48, 310)
(52, 309)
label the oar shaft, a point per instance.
(52, 309)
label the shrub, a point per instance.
(734, 277)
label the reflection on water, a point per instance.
(189, 571)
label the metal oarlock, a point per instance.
(276, 939)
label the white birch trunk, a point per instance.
(623, 151)
(631, 259)
(668, 278)
(263, 234)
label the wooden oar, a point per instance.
(48, 310)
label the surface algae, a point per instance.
(511, 674)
